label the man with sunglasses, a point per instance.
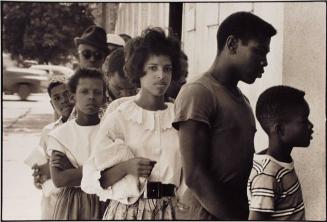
(92, 47)
(92, 50)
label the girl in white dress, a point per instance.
(74, 139)
(137, 164)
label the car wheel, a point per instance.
(24, 90)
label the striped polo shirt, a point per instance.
(273, 187)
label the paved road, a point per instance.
(22, 124)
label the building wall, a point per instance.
(304, 67)
(133, 18)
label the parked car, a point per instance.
(23, 81)
(55, 70)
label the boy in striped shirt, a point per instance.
(274, 190)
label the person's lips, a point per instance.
(66, 108)
(92, 105)
(161, 84)
(260, 72)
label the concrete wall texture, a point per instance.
(297, 58)
(304, 67)
(133, 18)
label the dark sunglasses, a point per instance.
(87, 54)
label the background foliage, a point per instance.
(44, 31)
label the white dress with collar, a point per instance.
(131, 131)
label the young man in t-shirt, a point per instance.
(216, 123)
(38, 159)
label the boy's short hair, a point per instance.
(54, 84)
(276, 104)
(114, 63)
(84, 73)
(245, 26)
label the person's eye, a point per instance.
(153, 68)
(98, 92)
(304, 121)
(56, 98)
(168, 69)
(260, 51)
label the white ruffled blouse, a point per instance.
(131, 131)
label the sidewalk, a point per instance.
(22, 124)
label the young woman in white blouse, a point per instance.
(137, 163)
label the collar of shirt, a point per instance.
(132, 112)
(58, 122)
(261, 157)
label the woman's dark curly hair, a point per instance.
(153, 41)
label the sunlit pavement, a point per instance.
(22, 124)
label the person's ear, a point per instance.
(274, 128)
(124, 70)
(232, 44)
(52, 104)
(278, 129)
(72, 98)
(104, 100)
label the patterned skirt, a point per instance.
(74, 204)
(143, 209)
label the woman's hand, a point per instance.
(139, 166)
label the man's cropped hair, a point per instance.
(245, 26)
(54, 84)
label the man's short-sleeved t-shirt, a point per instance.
(274, 188)
(232, 128)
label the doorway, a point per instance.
(175, 19)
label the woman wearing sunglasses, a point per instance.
(136, 163)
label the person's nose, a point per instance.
(264, 61)
(310, 125)
(92, 59)
(64, 100)
(160, 74)
(91, 95)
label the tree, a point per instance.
(44, 31)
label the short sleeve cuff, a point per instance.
(194, 102)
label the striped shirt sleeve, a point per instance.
(263, 193)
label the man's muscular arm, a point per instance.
(194, 144)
